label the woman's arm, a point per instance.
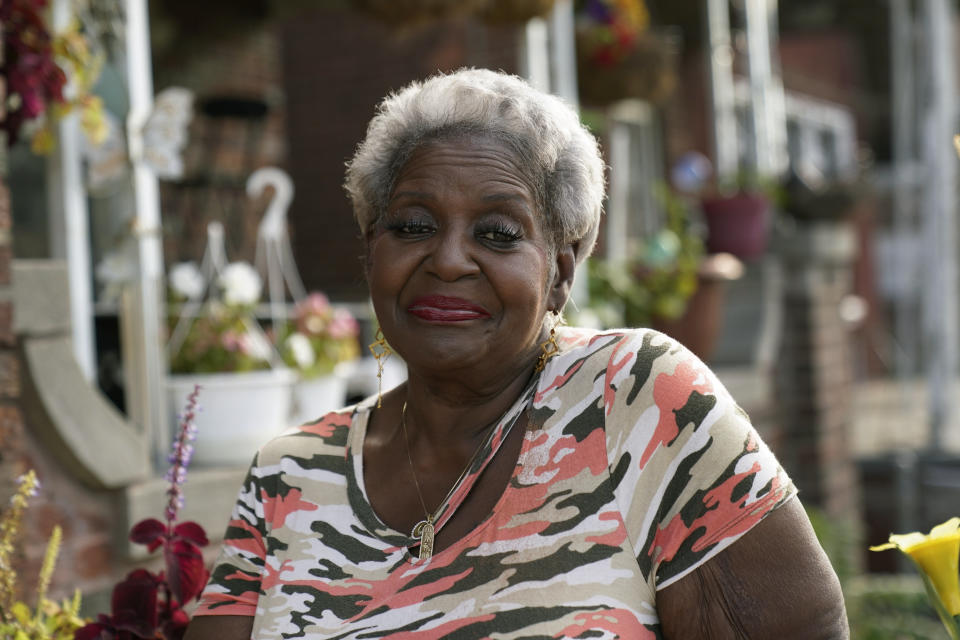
(774, 582)
(220, 628)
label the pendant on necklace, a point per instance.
(423, 531)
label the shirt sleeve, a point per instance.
(691, 474)
(234, 585)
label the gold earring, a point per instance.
(381, 351)
(549, 347)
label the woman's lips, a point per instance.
(446, 309)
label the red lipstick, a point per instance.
(446, 309)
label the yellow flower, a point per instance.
(937, 555)
(43, 141)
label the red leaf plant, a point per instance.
(149, 605)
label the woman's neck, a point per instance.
(445, 412)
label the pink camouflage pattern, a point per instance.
(636, 468)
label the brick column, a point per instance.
(814, 378)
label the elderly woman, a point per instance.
(529, 480)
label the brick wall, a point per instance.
(814, 377)
(223, 149)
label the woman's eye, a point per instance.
(500, 234)
(410, 227)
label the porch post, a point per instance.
(146, 387)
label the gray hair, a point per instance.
(559, 155)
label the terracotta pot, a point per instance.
(737, 224)
(699, 327)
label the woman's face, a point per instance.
(460, 270)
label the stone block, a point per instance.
(41, 292)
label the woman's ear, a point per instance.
(565, 268)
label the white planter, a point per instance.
(316, 397)
(239, 412)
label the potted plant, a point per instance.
(739, 216)
(619, 57)
(320, 341)
(218, 344)
(47, 76)
(669, 283)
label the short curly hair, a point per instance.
(561, 158)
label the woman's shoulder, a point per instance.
(327, 435)
(631, 370)
(600, 346)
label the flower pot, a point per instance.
(737, 224)
(699, 327)
(316, 397)
(239, 412)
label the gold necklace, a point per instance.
(425, 530)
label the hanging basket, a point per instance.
(409, 12)
(515, 11)
(646, 72)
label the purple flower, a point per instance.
(180, 456)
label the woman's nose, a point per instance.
(452, 256)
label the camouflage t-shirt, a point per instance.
(636, 468)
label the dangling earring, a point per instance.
(549, 347)
(381, 351)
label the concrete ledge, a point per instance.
(77, 423)
(42, 294)
(208, 501)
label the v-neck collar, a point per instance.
(357, 491)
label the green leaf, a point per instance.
(22, 613)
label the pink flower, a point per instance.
(255, 345)
(231, 341)
(343, 325)
(316, 303)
